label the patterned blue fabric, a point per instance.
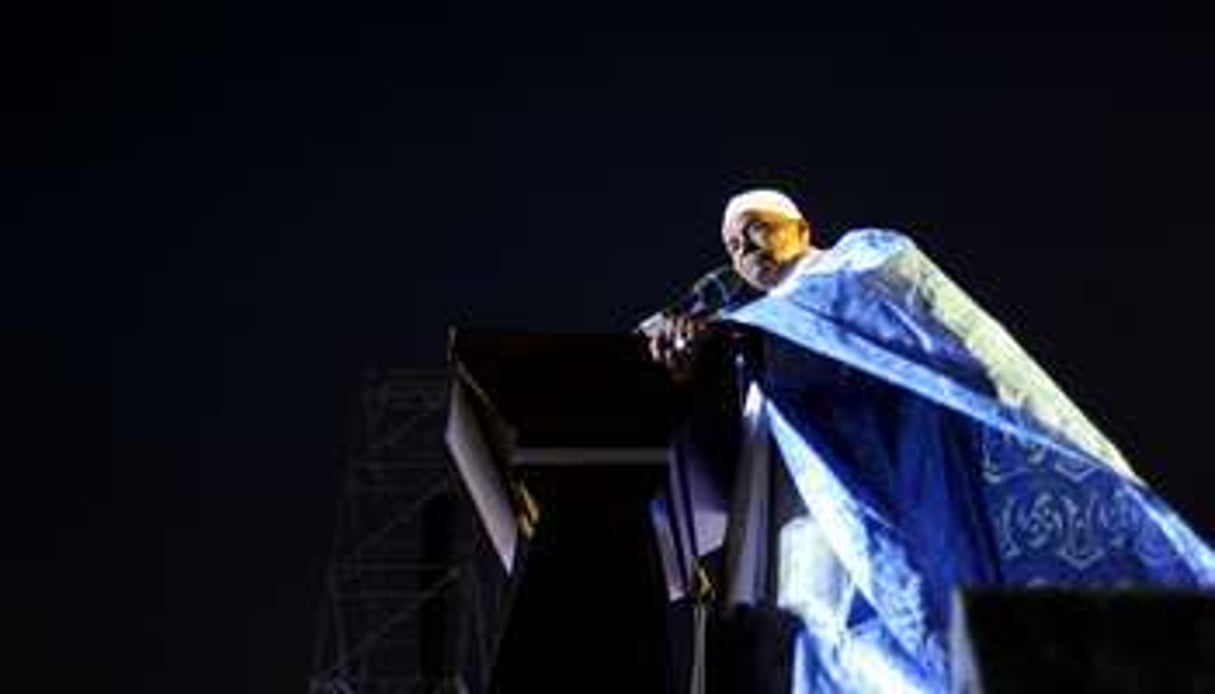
(1058, 520)
(933, 453)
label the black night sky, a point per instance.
(216, 215)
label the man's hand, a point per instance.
(673, 342)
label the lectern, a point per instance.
(561, 443)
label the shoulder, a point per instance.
(873, 240)
(859, 250)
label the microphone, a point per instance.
(708, 295)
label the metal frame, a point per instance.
(402, 609)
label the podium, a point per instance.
(561, 444)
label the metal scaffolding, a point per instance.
(410, 600)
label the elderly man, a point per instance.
(927, 450)
(766, 237)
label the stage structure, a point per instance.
(409, 595)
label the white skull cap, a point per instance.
(759, 200)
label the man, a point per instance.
(927, 449)
(766, 237)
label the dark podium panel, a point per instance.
(577, 424)
(1117, 642)
(589, 607)
(597, 393)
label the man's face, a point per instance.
(764, 246)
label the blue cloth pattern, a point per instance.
(1061, 521)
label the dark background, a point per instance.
(216, 215)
